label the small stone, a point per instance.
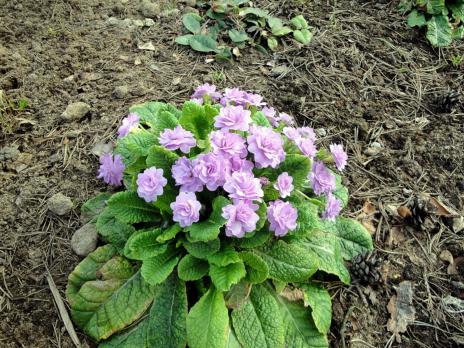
(372, 151)
(149, 22)
(9, 153)
(170, 13)
(59, 204)
(112, 21)
(322, 132)
(137, 61)
(101, 148)
(139, 91)
(149, 9)
(376, 145)
(75, 111)
(138, 23)
(147, 46)
(84, 240)
(120, 92)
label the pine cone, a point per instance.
(419, 211)
(365, 268)
(446, 102)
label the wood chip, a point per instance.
(401, 309)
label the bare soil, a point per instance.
(366, 80)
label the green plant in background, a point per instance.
(456, 60)
(443, 20)
(229, 25)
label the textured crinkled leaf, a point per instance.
(258, 323)
(238, 294)
(143, 245)
(203, 43)
(256, 269)
(168, 315)
(299, 22)
(169, 233)
(94, 206)
(303, 36)
(190, 268)
(259, 238)
(224, 257)
(208, 322)
(436, 7)
(157, 115)
(259, 119)
(112, 230)
(237, 36)
(117, 267)
(232, 341)
(297, 166)
(308, 217)
(287, 262)
(191, 21)
(162, 158)
(163, 202)
(439, 31)
(457, 9)
(130, 208)
(134, 337)
(197, 120)
(135, 145)
(318, 298)
(155, 270)
(209, 229)
(416, 19)
(202, 250)
(223, 277)
(458, 33)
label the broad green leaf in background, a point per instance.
(299, 22)
(169, 233)
(94, 206)
(223, 277)
(156, 269)
(259, 119)
(253, 11)
(259, 238)
(258, 323)
(308, 217)
(238, 36)
(112, 230)
(457, 9)
(191, 22)
(197, 119)
(209, 229)
(318, 298)
(256, 269)
(208, 321)
(202, 250)
(224, 257)
(130, 208)
(416, 19)
(436, 7)
(135, 145)
(439, 31)
(304, 36)
(143, 245)
(274, 22)
(190, 268)
(232, 341)
(134, 337)
(203, 43)
(272, 43)
(184, 39)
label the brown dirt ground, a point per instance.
(365, 78)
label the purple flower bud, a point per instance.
(233, 117)
(339, 155)
(111, 170)
(308, 133)
(332, 208)
(270, 114)
(286, 118)
(282, 217)
(182, 172)
(322, 180)
(234, 96)
(128, 123)
(212, 170)
(228, 144)
(292, 134)
(254, 99)
(307, 147)
(264, 181)
(177, 138)
(244, 186)
(241, 218)
(205, 90)
(150, 184)
(186, 209)
(266, 146)
(237, 164)
(284, 184)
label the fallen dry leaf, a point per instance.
(366, 217)
(292, 294)
(404, 212)
(440, 208)
(401, 309)
(396, 236)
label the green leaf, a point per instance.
(130, 208)
(184, 39)
(299, 22)
(161, 158)
(143, 245)
(202, 250)
(457, 9)
(169, 233)
(272, 43)
(436, 7)
(232, 341)
(209, 229)
(300, 330)
(287, 262)
(318, 298)
(253, 11)
(416, 19)
(238, 295)
(341, 192)
(298, 167)
(257, 322)
(352, 236)
(134, 337)
(163, 202)
(281, 31)
(262, 213)
(308, 217)
(256, 269)
(203, 43)
(223, 277)
(112, 230)
(197, 119)
(259, 238)
(224, 257)
(238, 36)
(190, 268)
(168, 315)
(458, 33)
(208, 322)
(259, 119)
(155, 270)
(191, 22)
(94, 206)
(304, 36)
(439, 31)
(99, 307)
(274, 22)
(135, 145)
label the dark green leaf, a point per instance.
(112, 230)
(161, 158)
(191, 22)
(143, 245)
(223, 277)
(439, 31)
(184, 39)
(259, 238)
(129, 208)
(169, 233)
(257, 269)
(203, 43)
(190, 268)
(238, 36)
(198, 119)
(156, 269)
(94, 206)
(318, 298)
(202, 250)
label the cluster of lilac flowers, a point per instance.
(236, 147)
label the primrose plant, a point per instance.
(225, 233)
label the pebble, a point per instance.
(372, 151)
(100, 148)
(149, 22)
(84, 240)
(170, 13)
(120, 92)
(59, 204)
(376, 144)
(149, 9)
(322, 132)
(75, 111)
(9, 153)
(138, 22)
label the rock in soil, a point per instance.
(75, 111)
(60, 204)
(120, 92)
(9, 153)
(84, 240)
(149, 9)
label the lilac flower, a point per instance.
(254, 99)
(286, 118)
(284, 184)
(292, 133)
(332, 208)
(339, 156)
(267, 147)
(282, 217)
(233, 117)
(322, 180)
(235, 96)
(111, 169)
(270, 114)
(241, 218)
(150, 184)
(308, 133)
(177, 138)
(205, 90)
(129, 123)
(228, 144)
(264, 181)
(212, 170)
(237, 164)
(182, 172)
(244, 186)
(186, 209)
(307, 147)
